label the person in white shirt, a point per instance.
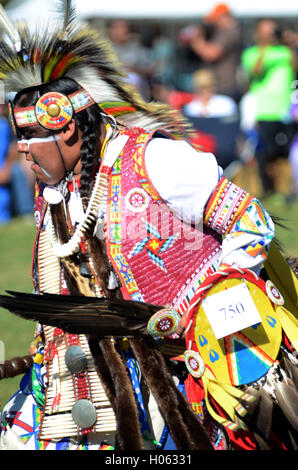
(207, 102)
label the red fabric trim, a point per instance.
(242, 440)
(214, 194)
(123, 288)
(119, 109)
(28, 124)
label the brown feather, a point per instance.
(291, 369)
(287, 397)
(81, 314)
(171, 402)
(263, 415)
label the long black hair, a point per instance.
(87, 120)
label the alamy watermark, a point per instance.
(157, 224)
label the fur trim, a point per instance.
(100, 262)
(15, 366)
(129, 436)
(176, 411)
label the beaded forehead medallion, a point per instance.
(53, 110)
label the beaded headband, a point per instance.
(52, 111)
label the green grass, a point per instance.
(15, 274)
(16, 240)
(288, 213)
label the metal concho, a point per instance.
(53, 110)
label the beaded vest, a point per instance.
(158, 258)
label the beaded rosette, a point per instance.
(164, 322)
(53, 110)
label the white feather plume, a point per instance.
(66, 11)
(8, 27)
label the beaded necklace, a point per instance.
(116, 143)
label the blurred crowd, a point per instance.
(16, 178)
(238, 88)
(239, 91)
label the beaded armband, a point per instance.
(226, 205)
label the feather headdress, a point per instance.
(85, 56)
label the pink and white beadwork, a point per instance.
(137, 200)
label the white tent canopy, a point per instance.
(167, 9)
(39, 11)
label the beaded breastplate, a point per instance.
(75, 401)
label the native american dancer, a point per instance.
(159, 327)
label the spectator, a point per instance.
(186, 60)
(22, 189)
(16, 190)
(269, 66)
(220, 48)
(135, 58)
(207, 102)
(7, 159)
(290, 38)
(293, 154)
(215, 117)
(163, 58)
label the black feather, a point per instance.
(82, 315)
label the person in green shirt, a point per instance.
(270, 69)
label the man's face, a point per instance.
(42, 150)
(265, 31)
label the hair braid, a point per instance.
(89, 123)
